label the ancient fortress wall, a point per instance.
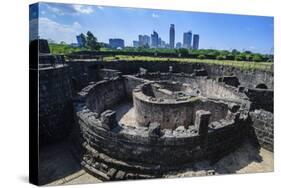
(246, 77)
(55, 103)
(57, 88)
(139, 145)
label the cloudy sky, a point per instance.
(62, 22)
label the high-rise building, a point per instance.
(154, 40)
(178, 45)
(116, 43)
(81, 40)
(187, 37)
(141, 43)
(159, 42)
(135, 44)
(172, 36)
(144, 40)
(163, 44)
(196, 41)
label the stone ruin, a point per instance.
(147, 123)
(171, 120)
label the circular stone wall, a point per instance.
(116, 151)
(172, 105)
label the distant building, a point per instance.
(178, 45)
(187, 37)
(135, 44)
(141, 42)
(172, 36)
(196, 41)
(154, 40)
(144, 40)
(80, 40)
(163, 44)
(116, 43)
(74, 45)
(159, 42)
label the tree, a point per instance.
(257, 58)
(220, 57)
(91, 42)
(235, 52)
(183, 51)
(201, 56)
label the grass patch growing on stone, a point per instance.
(244, 65)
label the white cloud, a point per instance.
(83, 9)
(155, 15)
(100, 7)
(58, 32)
(55, 10)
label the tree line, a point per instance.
(89, 42)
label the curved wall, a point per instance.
(134, 145)
(105, 94)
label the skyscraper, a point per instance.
(141, 42)
(135, 44)
(195, 41)
(144, 40)
(172, 36)
(187, 37)
(81, 40)
(154, 40)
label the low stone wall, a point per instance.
(248, 78)
(172, 113)
(104, 94)
(262, 124)
(151, 150)
(135, 144)
(208, 87)
(131, 82)
(55, 99)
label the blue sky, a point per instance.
(62, 22)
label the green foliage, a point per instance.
(220, 57)
(183, 51)
(201, 56)
(257, 58)
(240, 57)
(92, 42)
(63, 49)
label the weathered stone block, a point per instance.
(233, 107)
(111, 173)
(108, 119)
(120, 175)
(154, 129)
(202, 121)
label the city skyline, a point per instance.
(62, 22)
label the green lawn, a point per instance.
(245, 65)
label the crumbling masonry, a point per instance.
(175, 114)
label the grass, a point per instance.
(244, 65)
(64, 49)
